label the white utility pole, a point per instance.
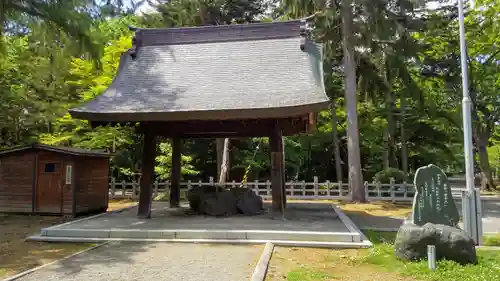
(470, 207)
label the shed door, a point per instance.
(49, 187)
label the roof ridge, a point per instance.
(216, 33)
(134, 28)
(60, 149)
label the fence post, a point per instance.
(328, 188)
(303, 188)
(211, 180)
(189, 185)
(256, 187)
(199, 183)
(134, 190)
(155, 190)
(405, 190)
(167, 186)
(341, 188)
(378, 186)
(393, 189)
(367, 192)
(124, 187)
(316, 188)
(268, 188)
(233, 184)
(113, 187)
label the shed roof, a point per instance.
(263, 70)
(63, 150)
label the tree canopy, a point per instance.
(408, 84)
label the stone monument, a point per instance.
(433, 201)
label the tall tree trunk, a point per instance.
(336, 145)
(386, 154)
(487, 181)
(221, 164)
(354, 155)
(224, 162)
(391, 131)
(404, 144)
(219, 147)
(402, 105)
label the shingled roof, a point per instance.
(263, 70)
(64, 150)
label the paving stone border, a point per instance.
(352, 227)
(260, 271)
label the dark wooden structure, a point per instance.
(252, 80)
(44, 179)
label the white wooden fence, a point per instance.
(295, 190)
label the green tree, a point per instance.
(75, 18)
(441, 66)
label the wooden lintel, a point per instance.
(226, 128)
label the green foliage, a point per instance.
(382, 255)
(162, 197)
(381, 258)
(494, 154)
(164, 163)
(492, 240)
(386, 175)
(307, 275)
(73, 18)
(408, 78)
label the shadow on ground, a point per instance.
(109, 255)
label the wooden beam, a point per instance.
(226, 128)
(276, 147)
(175, 178)
(311, 122)
(148, 163)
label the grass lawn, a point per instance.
(17, 255)
(374, 264)
(492, 240)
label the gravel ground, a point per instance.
(156, 262)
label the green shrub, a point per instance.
(385, 176)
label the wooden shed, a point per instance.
(41, 179)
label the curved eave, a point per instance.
(230, 114)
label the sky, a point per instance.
(145, 8)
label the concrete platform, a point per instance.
(305, 224)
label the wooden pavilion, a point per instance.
(250, 80)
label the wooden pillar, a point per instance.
(148, 165)
(283, 173)
(277, 184)
(175, 177)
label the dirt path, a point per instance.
(17, 255)
(155, 261)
